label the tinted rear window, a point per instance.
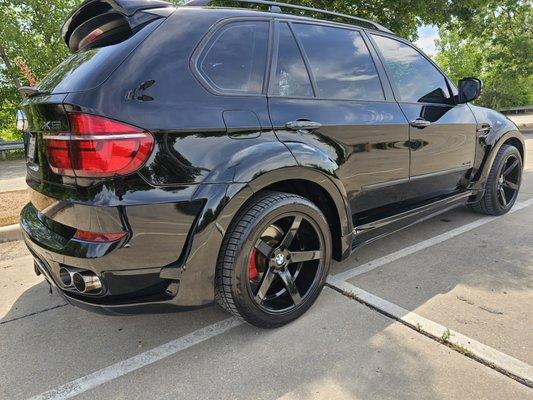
(87, 69)
(235, 59)
(292, 79)
(341, 63)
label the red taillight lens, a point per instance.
(98, 147)
(98, 237)
(58, 156)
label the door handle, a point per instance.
(420, 123)
(303, 126)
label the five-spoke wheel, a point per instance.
(509, 180)
(274, 260)
(284, 262)
(503, 183)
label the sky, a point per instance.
(426, 39)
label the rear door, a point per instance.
(442, 133)
(324, 80)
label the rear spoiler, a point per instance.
(101, 22)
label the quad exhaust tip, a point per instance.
(65, 275)
(83, 281)
(86, 282)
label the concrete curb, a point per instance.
(507, 365)
(10, 233)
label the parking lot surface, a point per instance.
(463, 271)
(12, 175)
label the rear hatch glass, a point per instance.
(88, 69)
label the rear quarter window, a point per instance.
(235, 58)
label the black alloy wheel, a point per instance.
(509, 180)
(503, 183)
(274, 260)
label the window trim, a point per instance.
(201, 47)
(388, 95)
(392, 83)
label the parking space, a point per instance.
(469, 273)
(478, 283)
(341, 350)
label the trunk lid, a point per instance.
(44, 113)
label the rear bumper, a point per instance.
(173, 247)
(130, 268)
(136, 306)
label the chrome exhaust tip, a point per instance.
(66, 276)
(86, 282)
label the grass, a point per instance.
(446, 335)
(14, 155)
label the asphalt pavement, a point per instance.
(465, 273)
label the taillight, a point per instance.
(98, 237)
(98, 147)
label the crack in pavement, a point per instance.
(32, 314)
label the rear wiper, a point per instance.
(29, 91)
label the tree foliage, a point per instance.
(29, 32)
(479, 37)
(496, 47)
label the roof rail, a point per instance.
(275, 6)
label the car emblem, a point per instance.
(51, 125)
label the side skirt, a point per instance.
(367, 233)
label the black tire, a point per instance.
(274, 303)
(503, 183)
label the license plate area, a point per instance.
(32, 149)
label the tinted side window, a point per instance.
(235, 59)
(292, 79)
(415, 77)
(341, 63)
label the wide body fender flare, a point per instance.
(491, 145)
(196, 272)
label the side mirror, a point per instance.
(469, 90)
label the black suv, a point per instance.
(182, 155)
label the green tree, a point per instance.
(29, 35)
(401, 16)
(497, 46)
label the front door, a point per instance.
(326, 96)
(442, 133)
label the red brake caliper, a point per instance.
(253, 273)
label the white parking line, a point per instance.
(141, 360)
(369, 266)
(124, 367)
(502, 362)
